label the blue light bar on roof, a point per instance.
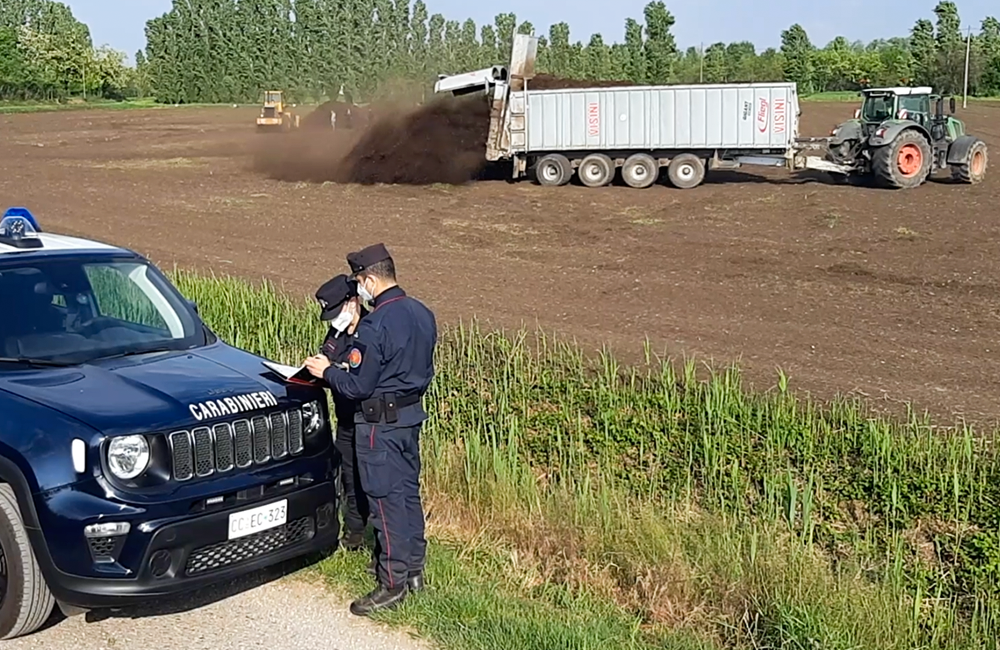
(25, 214)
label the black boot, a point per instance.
(415, 582)
(353, 541)
(381, 598)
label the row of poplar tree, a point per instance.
(231, 50)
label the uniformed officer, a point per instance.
(390, 366)
(341, 312)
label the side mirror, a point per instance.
(857, 113)
(940, 107)
(951, 105)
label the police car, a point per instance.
(140, 456)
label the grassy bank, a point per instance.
(90, 105)
(574, 503)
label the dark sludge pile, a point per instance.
(441, 142)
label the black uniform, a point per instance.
(336, 347)
(390, 367)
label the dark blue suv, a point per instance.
(140, 456)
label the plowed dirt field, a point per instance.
(891, 294)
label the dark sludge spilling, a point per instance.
(443, 141)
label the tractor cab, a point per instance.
(272, 104)
(274, 113)
(920, 105)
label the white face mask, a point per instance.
(342, 321)
(364, 294)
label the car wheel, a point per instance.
(25, 599)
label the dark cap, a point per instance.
(334, 293)
(362, 259)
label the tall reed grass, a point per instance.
(695, 506)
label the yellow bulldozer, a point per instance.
(274, 114)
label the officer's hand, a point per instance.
(317, 365)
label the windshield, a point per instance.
(878, 108)
(79, 311)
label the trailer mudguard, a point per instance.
(850, 130)
(958, 152)
(892, 130)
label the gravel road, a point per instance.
(257, 613)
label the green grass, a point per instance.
(576, 503)
(102, 104)
(90, 105)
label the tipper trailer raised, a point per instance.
(687, 129)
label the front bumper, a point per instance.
(194, 552)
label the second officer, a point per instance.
(342, 311)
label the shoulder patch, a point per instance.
(354, 357)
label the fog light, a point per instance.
(159, 564)
(108, 529)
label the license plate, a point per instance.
(259, 519)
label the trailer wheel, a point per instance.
(640, 170)
(905, 162)
(596, 170)
(686, 171)
(553, 170)
(973, 169)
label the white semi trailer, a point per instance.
(592, 132)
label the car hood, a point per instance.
(154, 392)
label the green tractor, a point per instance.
(897, 141)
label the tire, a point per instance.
(596, 170)
(27, 601)
(686, 171)
(640, 171)
(972, 170)
(905, 162)
(553, 170)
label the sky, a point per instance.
(121, 23)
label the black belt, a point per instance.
(386, 404)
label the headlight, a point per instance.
(312, 418)
(128, 456)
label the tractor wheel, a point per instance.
(905, 162)
(973, 170)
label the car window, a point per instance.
(78, 311)
(118, 296)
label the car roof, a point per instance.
(54, 244)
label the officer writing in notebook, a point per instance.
(342, 310)
(390, 365)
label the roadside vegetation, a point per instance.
(574, 502)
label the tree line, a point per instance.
(47, 54)
(231, 50)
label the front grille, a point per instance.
(205, 451)
(224, 554)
